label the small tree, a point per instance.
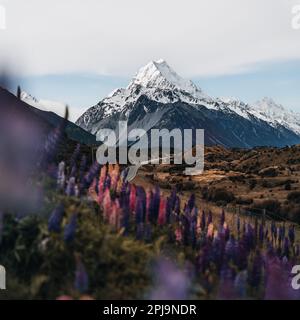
(19, 92)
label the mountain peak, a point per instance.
(269, 106)
(158, 74)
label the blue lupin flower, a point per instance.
(54, 222)
(70, 229)
(81, 282)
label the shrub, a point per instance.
(252, 184)
(244, 201)
(269, 172)
(273, 206)
(288, 186)
(294, 197)
(220, 195)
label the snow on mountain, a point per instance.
(51, 106)
(158, 97)
(45, 105)
(158, 82)
(277, 114)
(158, 74)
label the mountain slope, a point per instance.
(159, 98)
(13, 110)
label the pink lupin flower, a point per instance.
(92, 191)
(148, 204)
(210, 231)
(115, 172)
(132, 198)
(115, 214)
(198, 225)
(106, 203)
(162, 212)
(101, 182)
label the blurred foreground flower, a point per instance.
(171, 282)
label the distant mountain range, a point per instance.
(14, 109)
(157, 97)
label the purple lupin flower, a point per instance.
(81, 282)
(226, 288)
(230, 249)
(226, 233)
(238, 225)
(261, 233)
(173, 198)
(155, 205)
(70, 229)
(209, 218)
(286, 247)
(52, 142)
(203, 220)
(90, 175)
(281, 235)
(255, 275)
(168, 210)
(73, 171)
(54, 222)
(82, 168)
(240, 284)
(177, 206)
(291, 234)
(267, 233)
(75, 155)
(222, 221)
(170, 282)
(139, 211)
(70, 190)
(273, 230)
(125, 217)
(61, 175)
(191, 202)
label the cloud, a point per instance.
(115, 37)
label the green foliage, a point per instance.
(41, 265)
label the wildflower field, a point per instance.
(96, 236)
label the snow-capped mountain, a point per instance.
(45, 105)
(277, 114)
(157, 97)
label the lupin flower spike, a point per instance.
(70, 229)
(54, 223)
(81, 282)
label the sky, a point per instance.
(78, 51)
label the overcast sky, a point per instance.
(200, 39)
